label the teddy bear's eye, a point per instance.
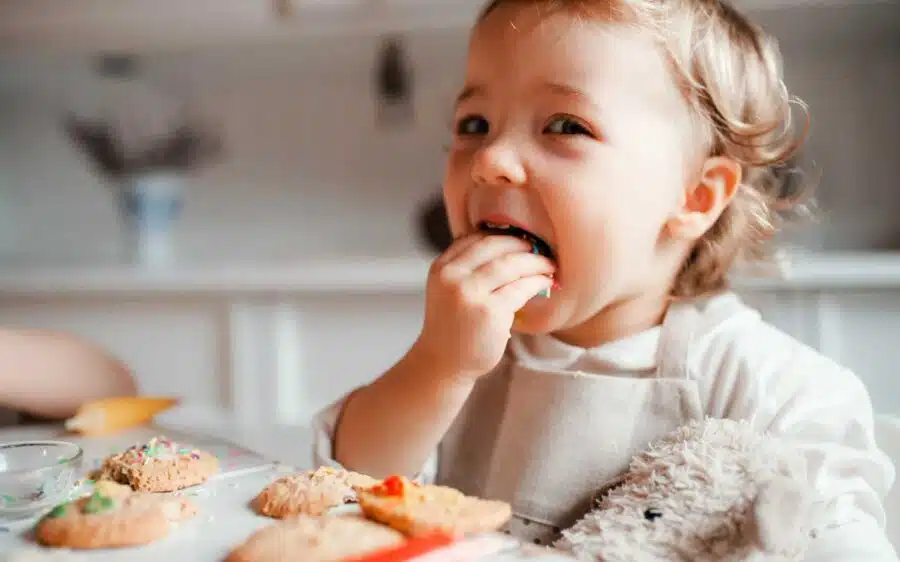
(652, 514)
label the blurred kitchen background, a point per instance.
(306, 139)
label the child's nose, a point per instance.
(498, 163)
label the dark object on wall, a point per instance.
(433, 225)
(120, 66)
(186, 146)
(790, 177)
(393, 84)
(796, 182)
(184, 149)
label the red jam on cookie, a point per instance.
(392, 486)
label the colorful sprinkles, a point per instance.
(157, 448)
(231, 458)
(536, 250)
(58, 511)
(98, 503)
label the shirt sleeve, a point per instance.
(324, 427)
(792, 391)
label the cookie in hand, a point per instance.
(113, 516)
(316, 539)
(422, 510)
(310, 493)
(159, 465)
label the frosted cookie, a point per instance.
(421, 510)
(310, 493)
(316, 539)
(159, 465)
(113, 516)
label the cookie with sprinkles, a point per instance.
(310, 493)
(159, 465)
(113, 516)
(316, 539)
(425, 510)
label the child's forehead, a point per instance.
(517, 43)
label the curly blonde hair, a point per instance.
(729, 71)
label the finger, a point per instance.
(458, 246)
(516, 295)
(508, 268)
(488, 249)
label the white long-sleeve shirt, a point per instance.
(738, 367)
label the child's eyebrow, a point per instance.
(565, 89)
(568, 91)
(469, 92)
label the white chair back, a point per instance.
(887, 435)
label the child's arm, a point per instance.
(395, 424)
(796, 393)
(50, 374)
(474, 291)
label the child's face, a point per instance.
(574, 130)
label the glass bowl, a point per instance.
(36, 475)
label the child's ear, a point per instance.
(704, 201)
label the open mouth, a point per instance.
(537, 243)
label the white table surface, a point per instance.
(225, 519)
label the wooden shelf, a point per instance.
(807, 271)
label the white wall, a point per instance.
(307, 173)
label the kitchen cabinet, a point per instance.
(274, 344)
(268, 344)
(264, 359)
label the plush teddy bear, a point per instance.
(712, 491)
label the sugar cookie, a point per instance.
(310, 493)
(159, 465)
(113, 516)
(316, 539)
(421, 510)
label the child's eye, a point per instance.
(472, 125)
(566, 126)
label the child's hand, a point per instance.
(474, 290)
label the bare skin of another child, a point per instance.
(49, 374)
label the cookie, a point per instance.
(316, 539)
(113, 516)
(422, 510)
(311, 493)
(159, 465)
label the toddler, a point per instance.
(611, 161)
(46, 375)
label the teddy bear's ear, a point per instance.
(781, 518)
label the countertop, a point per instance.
(804, 271)
(225, 519)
